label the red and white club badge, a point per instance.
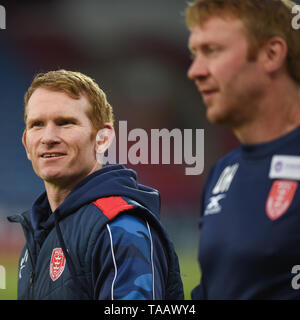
(57, 263)
(280, 198)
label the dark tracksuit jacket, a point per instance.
(250, 220)
(104, 241)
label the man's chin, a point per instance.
(52, 177)
(61, 180)
(215, 116)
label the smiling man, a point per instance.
(246, 66)
(60, 141)
(95, 232)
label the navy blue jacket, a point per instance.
(250, 223)
(104, 241)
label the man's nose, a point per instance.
(198, 69)
(50, 135)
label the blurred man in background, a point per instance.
(246, 65)
(95, 232)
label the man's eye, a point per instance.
(210, 50)
(64, 122)
(36, 124)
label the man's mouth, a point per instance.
(208, 93)
(52, 155)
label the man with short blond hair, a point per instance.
(95, 231)
(246, 65)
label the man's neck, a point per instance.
(279, 114)
(56, 195)
(57, 192)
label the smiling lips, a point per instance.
(52, 155)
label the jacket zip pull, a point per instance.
(31, 282)
(32, 278)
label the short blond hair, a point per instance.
(263, 19)
(74, 84)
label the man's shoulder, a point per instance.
(103, 210)
(224, 167)
(112, 206)
(231, 158)
(117, 211)
(233, 155)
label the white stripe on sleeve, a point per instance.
(153, 291)
(114, 260)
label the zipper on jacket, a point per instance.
(28, 232)
(32, 273)
(36, 248)
(31, 284)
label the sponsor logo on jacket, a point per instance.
(220, 189)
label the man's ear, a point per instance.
(274, 54)
(104, 138)
(25, 145)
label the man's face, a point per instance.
(227, 81)
(59, 138)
